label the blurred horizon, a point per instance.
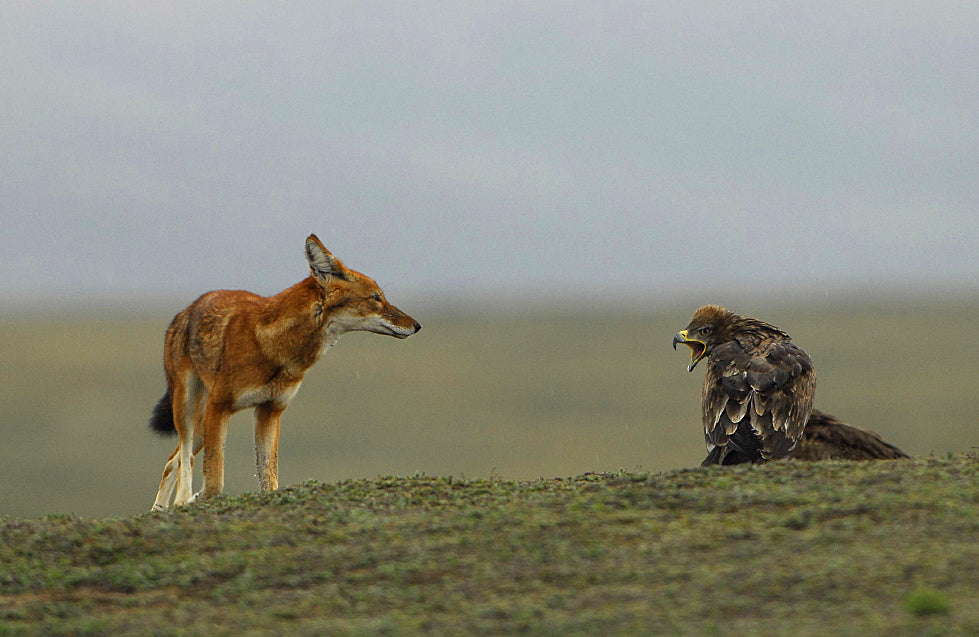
(629, 299)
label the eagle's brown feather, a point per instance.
(758, 389)
(826, 438)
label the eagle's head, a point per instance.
(708, 328)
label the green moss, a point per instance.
(926, 601)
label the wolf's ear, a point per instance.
(322, 264)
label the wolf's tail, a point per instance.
(162, 419)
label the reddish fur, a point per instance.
(248, 351)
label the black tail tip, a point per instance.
(161, 422)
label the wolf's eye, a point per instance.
(376, 296)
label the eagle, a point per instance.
(826, 438)
(758, 389)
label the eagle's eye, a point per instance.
(706, 330)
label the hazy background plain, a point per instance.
(520, 396)
(551, 188)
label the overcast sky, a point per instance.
(161, 149)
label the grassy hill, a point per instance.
(885, 548)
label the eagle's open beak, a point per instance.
(697, 348)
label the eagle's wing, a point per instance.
(826, 438)
(756, 405)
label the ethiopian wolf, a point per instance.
(232, 350)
